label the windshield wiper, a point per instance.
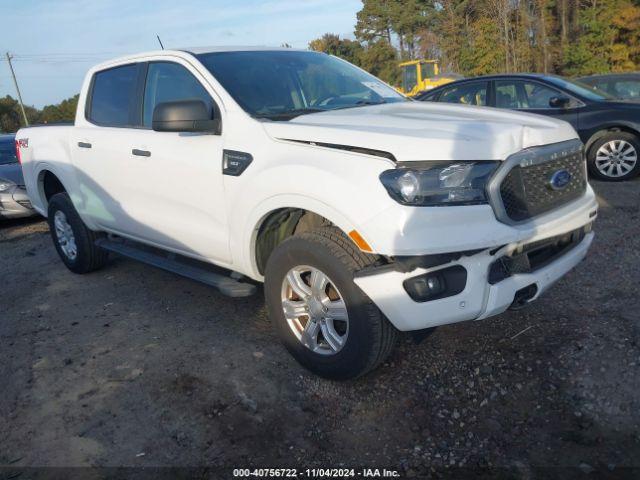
(289, 114)
(362, 103)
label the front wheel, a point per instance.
(321, 316)
(614, 157)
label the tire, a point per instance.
(601, 157)
(88, 257)
(369, 338)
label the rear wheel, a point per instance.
(615, 156)
(74, 242)
(321, 316)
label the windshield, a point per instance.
(581, 89)
(8, 152)
(281, 85)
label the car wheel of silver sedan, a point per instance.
(616, 158)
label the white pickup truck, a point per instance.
(363, 212)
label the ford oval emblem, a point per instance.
(559, 180)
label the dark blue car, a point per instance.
(609, 127)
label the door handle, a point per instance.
(141, 153)
(84, 145)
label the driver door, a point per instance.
(179, 195)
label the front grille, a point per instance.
(526, 191)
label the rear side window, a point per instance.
(170, 82)
(113, 96)
(467, 94)
(509, 94)
(428, 97)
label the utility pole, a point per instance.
(15, 82)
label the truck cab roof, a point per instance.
(192, 51)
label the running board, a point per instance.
(169, 261)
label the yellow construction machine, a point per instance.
(421, 75)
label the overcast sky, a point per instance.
(54, 42)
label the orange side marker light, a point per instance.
(359, 241)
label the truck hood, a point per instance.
(419, 131)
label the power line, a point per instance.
(82, 54)
(41, 76)
(62, 58)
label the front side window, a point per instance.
(170, 82)
(538, 95)
(467, 94)
(280, 85)
(113, 96)
(526, 95)
(579, 88)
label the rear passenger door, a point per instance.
(534, 97)
(101, 149)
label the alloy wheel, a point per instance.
(64, 233)
(315, 310)
(616, 158)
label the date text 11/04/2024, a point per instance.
(315, 473)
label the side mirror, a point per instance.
(559, 102)
(184, 116)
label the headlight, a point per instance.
(5, 184)
(437, 183)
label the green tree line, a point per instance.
(476, 37)
(470, 37)
(11, 115)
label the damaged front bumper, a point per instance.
(479, 298)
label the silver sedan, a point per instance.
(14, 202)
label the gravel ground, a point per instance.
(132, 366)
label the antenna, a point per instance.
(160, 42)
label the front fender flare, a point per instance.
(271, 204)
